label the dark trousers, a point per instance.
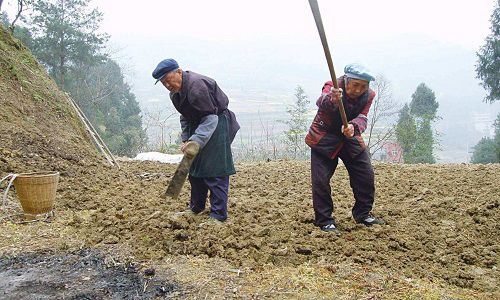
(361, 178)
(218, 187)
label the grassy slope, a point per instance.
(38, 127)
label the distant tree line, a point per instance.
(63, 36)
(487, 150)
(488, 71)
(414, 127)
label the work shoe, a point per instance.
(187, 212)
(372, 220)
(330, 228)
(210, 222)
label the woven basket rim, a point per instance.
(38, 174)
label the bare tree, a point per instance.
(264, 143)
(102, 86)
(380, 123)
(22, 6)
(159, 120)
(269, 139)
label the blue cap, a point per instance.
(358, 71)
(165, 66)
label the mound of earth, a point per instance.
(39, 130)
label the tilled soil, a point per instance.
(441, 219)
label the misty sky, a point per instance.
(162, 27)
(463, 23)
(259, 41)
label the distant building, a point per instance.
(391, 152)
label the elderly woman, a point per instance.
(205, 120)
(329, 141)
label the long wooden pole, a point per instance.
(319, 24)
(93, 133)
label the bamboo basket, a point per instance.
(37, 191)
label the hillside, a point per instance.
(114, 235)
(39, 130)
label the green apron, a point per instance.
(215, 159)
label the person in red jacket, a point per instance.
(329, 141)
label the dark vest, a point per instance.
(325, 134)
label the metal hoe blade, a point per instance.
(175, 186)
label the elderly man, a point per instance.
(329, 141)
(206, 120)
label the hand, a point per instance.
(335, 95)
(190, 148)
(349, 131)
(183, 146)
